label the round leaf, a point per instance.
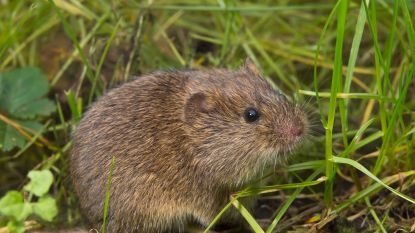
(16, 226)
(45, 208)
(11, 198)
(40, 182)
(12, 205)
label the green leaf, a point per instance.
(12, 205)
(9, 137)
(40, 182)
(40, 107)
(16, 226)
(21, 98)
(21, 87)
(45, 208)
(11, 198)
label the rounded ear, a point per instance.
(196, 104)
(250, 67)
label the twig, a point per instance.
(19, 129)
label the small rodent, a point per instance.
(183, 141)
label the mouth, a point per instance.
(286, 145)
(289, 133)
(293, 145)
(292, 134)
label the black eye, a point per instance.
(251, 114)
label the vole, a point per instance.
(183, 141)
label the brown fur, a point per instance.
(181, 147)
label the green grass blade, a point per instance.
(230, 19)
(346, 95)
(358, 135)
(343, 104)
(379, 62)
(359, 167)
(389, 48)
(219, 215)
(374, 215)
(248, 217)
(75, 105)
(409, 27)
(101, 61)
(257, 45)
(360, 25)
(316, 59)
(289, 201)
(68, 29)
(368, 139)
(372, 189)
(212, 8)
(395, 114)
(107, 195)
(335, 87)
(275, 188)
(75, 52)
(306, 165)
(41, 30)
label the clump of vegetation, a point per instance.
(16, 209)
(351, 62)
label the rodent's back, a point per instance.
(132, 125)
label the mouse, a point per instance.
(182, 141)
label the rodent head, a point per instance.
(239, 124)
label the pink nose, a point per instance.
(297, 130)
(290, 131)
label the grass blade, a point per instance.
(107, 195)
(289, 201)
(101, 61)
(315, 81)
(248, 217)
(373, 188)
(278, 187)
(359, 167)
(335, 87)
